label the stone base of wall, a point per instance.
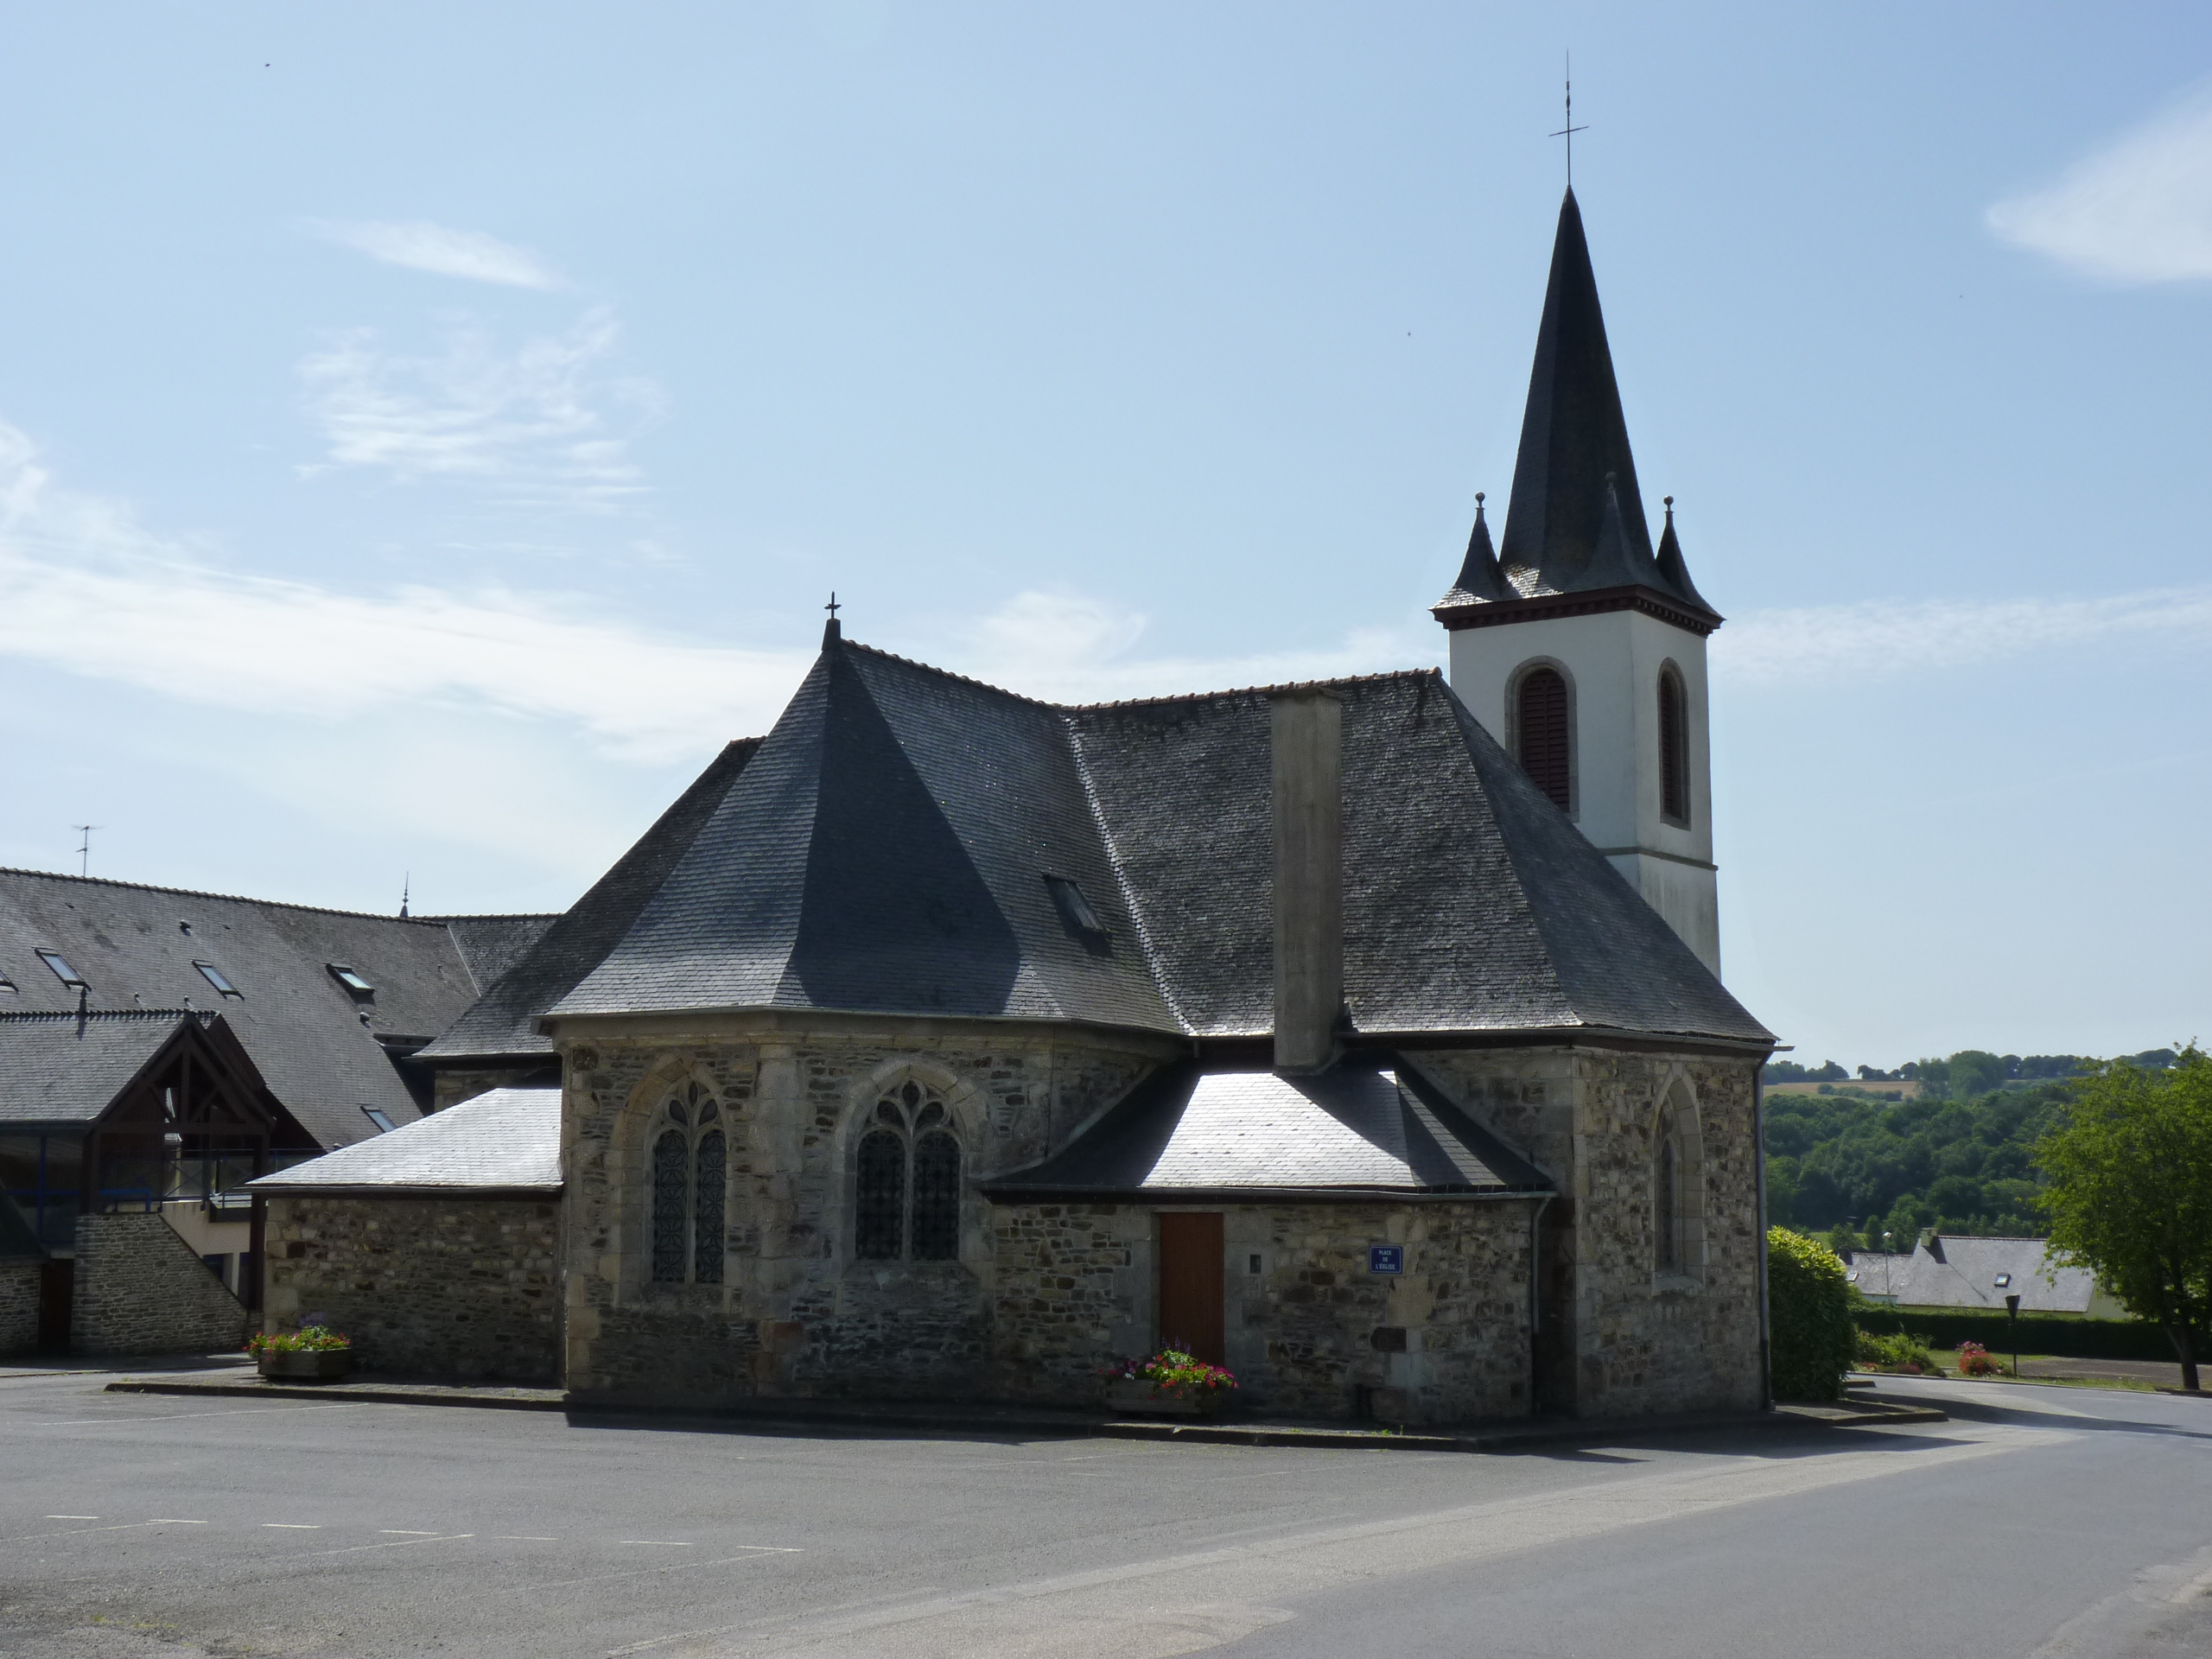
(458, 1290)
(19, 1294)
(141, 1290)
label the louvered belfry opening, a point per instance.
(1542, 734)
(1674, 749)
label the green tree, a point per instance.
(2130, 1194)
(1974, 1071)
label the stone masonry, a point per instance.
(465, 1289)
(1619, 1337)
(19, 1295)
(141, 1290)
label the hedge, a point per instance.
(2040, 1333)
(1808, 1318)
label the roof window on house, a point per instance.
(1074, 906)
(62, 970)
(355, 986)
(7, 985)
(383, 1120)
(213, 976)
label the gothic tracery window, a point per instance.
(1666, 1199)
(906, 1187)
(689, 1158)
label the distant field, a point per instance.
(1903, 1091)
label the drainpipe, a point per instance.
(1758, 1163)
(1535, 1298)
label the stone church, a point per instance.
(1365, 1036)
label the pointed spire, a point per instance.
(1573, 433)
(1479, 577)
(831, 633)
(1674, 568)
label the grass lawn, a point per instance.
(1948, 1359)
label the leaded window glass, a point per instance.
(882, 1196)
(936, 1197)
(907, 1181)
(690, 1165)
(671, 1198)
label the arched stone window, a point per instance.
(1674, 748)
(1677, 1189)
(689, 1158)
(1543, 731)
(906, 1191)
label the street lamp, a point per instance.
(1887, 1288)
(2012, 1315)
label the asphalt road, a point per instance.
(2041, 1520)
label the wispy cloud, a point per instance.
(1825, 642)
(543, 424)
(86, 589)
(420, 246)
(2137, 211)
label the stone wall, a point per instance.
(1620, 1337)
(19, 1301)
(458, 1288)
(141, 1290)
(450, 1085)
(795, 1313)
(1309, 1330)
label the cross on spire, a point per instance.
(1568, 131)
(831, 633)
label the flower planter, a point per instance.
(306, 1365)
(1139, 1397)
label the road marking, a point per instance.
(69, 1517)
(295, 1526)
(520, 1538)
(171, 1521)
(405, 1532)
(240, 1411)
(400, 1543)
(662, 1543)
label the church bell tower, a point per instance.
(1580, 649)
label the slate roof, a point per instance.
(1576, 523)
(52, 1072)
(489, 945)
(505, 1141)
(1961, 1272)
(500, 1024)
(888, 850)
(1359, 1127)
(304, 1031)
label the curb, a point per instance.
(1868, 1413)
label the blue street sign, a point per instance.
(1386, 1258)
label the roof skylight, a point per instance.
(213, 976)
(62, 970)
(354, 984)
(1075, 906)
(383, 1120)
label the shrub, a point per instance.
(1895, 1353)
(308, 1339)
(1808, 1316)
(1974, 1360)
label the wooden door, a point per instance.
(1191, 1271)
(57, 1282)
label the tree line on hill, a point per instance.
(1959, 1158)
(1968, 1072)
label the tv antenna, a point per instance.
(1568, 131)
(84, 847)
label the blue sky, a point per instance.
(426, 433)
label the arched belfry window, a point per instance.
(906, 1196)
(690, 1159)
(1543, 733)
(1674, 748)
